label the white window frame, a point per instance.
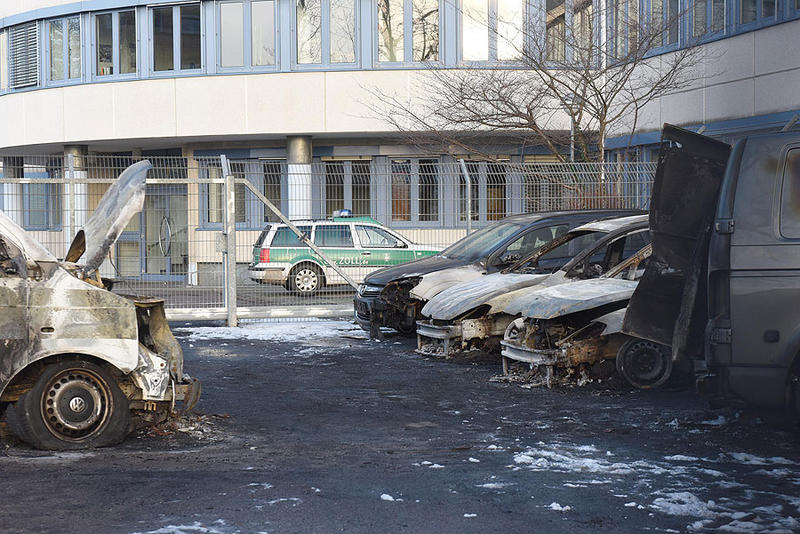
(176, 41)
(115, 46)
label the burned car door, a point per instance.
(668, 306)
(13, 308)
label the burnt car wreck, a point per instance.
(81, 366)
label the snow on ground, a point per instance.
(275, 330)
(712, 493)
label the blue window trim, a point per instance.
(115, 44)
(408, 36)
(247, 16)
(176, 43)
(44, 30)
(325, 30)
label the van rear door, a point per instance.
(669, 304)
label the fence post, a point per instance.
(71, 171)
(469, 195)
(230, 242)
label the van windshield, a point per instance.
(478, 245)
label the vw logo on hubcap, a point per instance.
(77, 404)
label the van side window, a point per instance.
(790, 196)
(284, 237)
(333, 236)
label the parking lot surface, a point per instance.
(311, 427)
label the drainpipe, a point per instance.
(300, 191)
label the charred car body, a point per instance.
(393, 297)
(475, 314)
(568, 329)
(78, 363)
(723, 283)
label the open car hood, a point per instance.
(669, 305)
(123, 200)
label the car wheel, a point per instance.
(74, 404)
(306, 279)
(644, 364)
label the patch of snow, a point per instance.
(558, 508)
(681, 458)
(184, 529)
(631, 504)
(387, 497)
(718, 421)
(436, 466)
(470, 515)
(684, 503)
(750, 459)
(474, 460)
(294, 500)
(286, 331)
(495, 485)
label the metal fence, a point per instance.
(402, 209)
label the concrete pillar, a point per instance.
(13, 167)
(299, 167)
(76, 192)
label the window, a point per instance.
(708, 16)
(790, 196)
(3, 60)
(334, 186)
(399, 42)
(64, 40)
(176, 38)
(271, 171)
(23, 56)
(284, 237)
(115, 43)
(374, 237)
(42, 202)
(534, 239)
(247, 33)
(556, 30)
(326, 31)
(492, 30)
(327, 235)
(415, 190)
(582, 28)
(664, 15)
(348, 186)
(751, 11)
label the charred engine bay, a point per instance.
(329, 434)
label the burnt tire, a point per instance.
(74, 404)
(306, 279)
(644, 364)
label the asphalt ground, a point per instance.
(341, 434)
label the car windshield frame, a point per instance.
(485, 240)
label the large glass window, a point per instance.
(417, 41)
(790, 196)
(488, 195)
(65, 49)
(757, 11)
(665, 15)
(343, 31)
(347, 185)
(243, 20)
(625, 26)
(556, 30)
(176, 34)
(115, 43)
(492, 30)
(272, 187)
(425, 28)
(3, 60)
(708, 16)
(42, 201)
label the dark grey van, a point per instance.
(723, 283)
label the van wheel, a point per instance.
(73, 405)
(306, 279)
(644, 364)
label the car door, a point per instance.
(336, 242)
(381, 248)
(14, 317)
(668, 306)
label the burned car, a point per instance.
(393, 297)
(575, 329)
(474, 315)
(80, 365)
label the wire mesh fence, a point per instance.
(399, 209)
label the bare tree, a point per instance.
(564, 67)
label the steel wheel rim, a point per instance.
(645, 363)
(76, 404)
(306, 280)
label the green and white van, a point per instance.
(359, 245)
